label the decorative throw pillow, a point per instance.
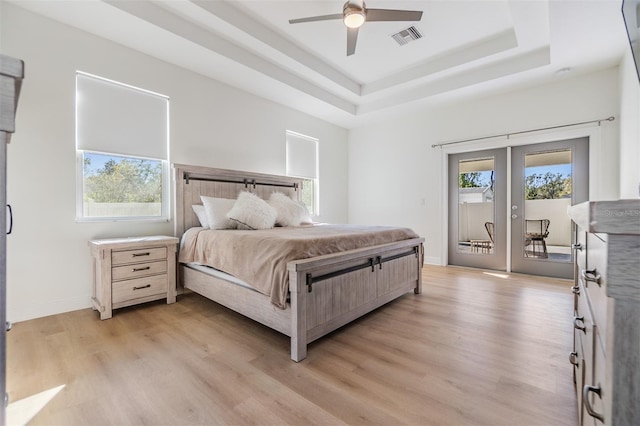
(289, 211)
(252, 212)
(216, 210)
(305, 216)
(199, 210)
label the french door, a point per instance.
(544, 180)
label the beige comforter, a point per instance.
(260, 257)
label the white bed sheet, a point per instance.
(219, 274)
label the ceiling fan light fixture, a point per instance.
(353, 17)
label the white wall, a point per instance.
(556, 211)
(403, 184)
(49, 267)
(629, 129)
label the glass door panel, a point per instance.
(477, 224)
(547, 195)
(476, 211)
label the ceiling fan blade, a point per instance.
(393, 15)
(352, 38)
(316, 18)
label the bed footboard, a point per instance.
(330, 291)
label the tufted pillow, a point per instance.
(216, 211)
(252, 212)
(199, 210)
(290, 212)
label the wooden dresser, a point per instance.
(129, 271)
(606, 353)
(11, 76)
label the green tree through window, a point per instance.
(547, 186)
(112, 180)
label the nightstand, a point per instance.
(129, 271)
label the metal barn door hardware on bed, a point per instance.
(371, 263)
(246, 182)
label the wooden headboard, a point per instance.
(194, 181)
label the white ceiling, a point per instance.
(468, 48)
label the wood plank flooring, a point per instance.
(475, 348)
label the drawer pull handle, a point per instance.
(141, 254)
(577, 246)
(591, 275)
(146, 268)
(585, 397)
(142, 286)
(575, 290)
(573, 359)
(10, 219)
(577, 326)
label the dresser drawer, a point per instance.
(140, 255)
(137, 270)
(593, 277)
(584, 333)
(139, 288)
(581, 254)
(597, 394)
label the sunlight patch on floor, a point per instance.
(495, 274)
(19, 413)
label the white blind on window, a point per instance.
(302, 156)
(119, 119)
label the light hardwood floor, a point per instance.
(475, 347)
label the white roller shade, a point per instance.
(302, 153)
(120, 119)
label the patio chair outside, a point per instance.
(536, 231)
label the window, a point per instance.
(302, 162)
(122, 147)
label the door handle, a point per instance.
(514, 216)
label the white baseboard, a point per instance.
(39, 310)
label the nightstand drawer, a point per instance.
(140, 255)
(138, 288)
(137, 270)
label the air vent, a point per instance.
(405, 36)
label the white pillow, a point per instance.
(289, 211)
(216, 210)
(252, 212)
(305, 216)
(199, 210)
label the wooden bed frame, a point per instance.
(326, 292)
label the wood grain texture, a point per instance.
(188, 192)
(123, 276)
(610, 217)
(314, 313)
(608, 278)
(476, 347)
(11, 75)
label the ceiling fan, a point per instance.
(355, 14)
